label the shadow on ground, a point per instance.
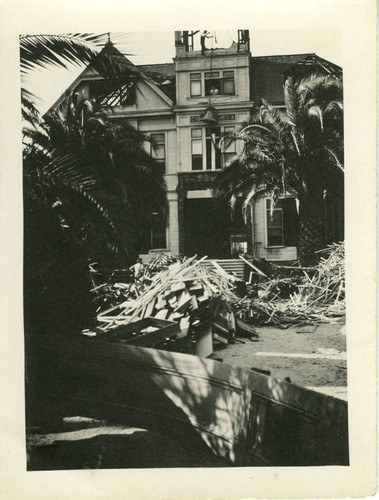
(111, 447)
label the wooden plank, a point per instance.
(184, 327)
(173, 302)
(150, 307)
(196, 287)
(252, 265)
(162, 314)
(220, 338)
(161, 302)
(178, 287)
(194, 304)
(241, 415)
(184, 300)
(244, 328)
(175, 316)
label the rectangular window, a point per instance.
(238, 244)
(197, 148)
(213, 156)
(282, 222)
(228, 82)
(195, 81)
(229, 151)
(205, 151)
(158, 150)
(158, 230)
(212, 83)
(217, 82)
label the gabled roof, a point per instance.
(268, 73)
(164, 70)
(120, 61)
(163, 75)
(313, 62)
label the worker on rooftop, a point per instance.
(205, 34)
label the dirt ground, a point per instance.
(313, 356)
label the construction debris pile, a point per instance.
(199, 298)
(317, 295)
(170, 290)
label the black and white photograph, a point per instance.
(184, 205)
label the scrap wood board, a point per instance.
(243, 416)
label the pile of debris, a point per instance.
(318, 295)
(169, 290)
(190, 292)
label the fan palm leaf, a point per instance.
(298, 151)
(65, 50)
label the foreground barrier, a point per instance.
(246, 417)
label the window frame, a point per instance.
(221, 76)
(158, 218)
(197, 140)
(210, 138)
(281, 209)
(197, 80)
(226, 151)
(163, 162)
(268, 201)
(215, 153)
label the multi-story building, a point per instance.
(174, 105)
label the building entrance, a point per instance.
(206, 228)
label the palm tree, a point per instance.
(112, 167)
(298, 151)
(74, 201)
(66, 50)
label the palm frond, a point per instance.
(316, 111)
(41, 51)
(29, 111)
(66, 50)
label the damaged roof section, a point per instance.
(268, 73)
(267, 77)
(162, 75)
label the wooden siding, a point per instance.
(171, 152)
(184, 135)
(173, 223)
(147, 99)
(260, 238)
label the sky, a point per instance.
(158, 47)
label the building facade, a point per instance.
(170, 106)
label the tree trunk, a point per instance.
(311, 231)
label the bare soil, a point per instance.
(313, 356)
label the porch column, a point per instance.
(173, 222)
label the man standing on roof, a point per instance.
(205, 34)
